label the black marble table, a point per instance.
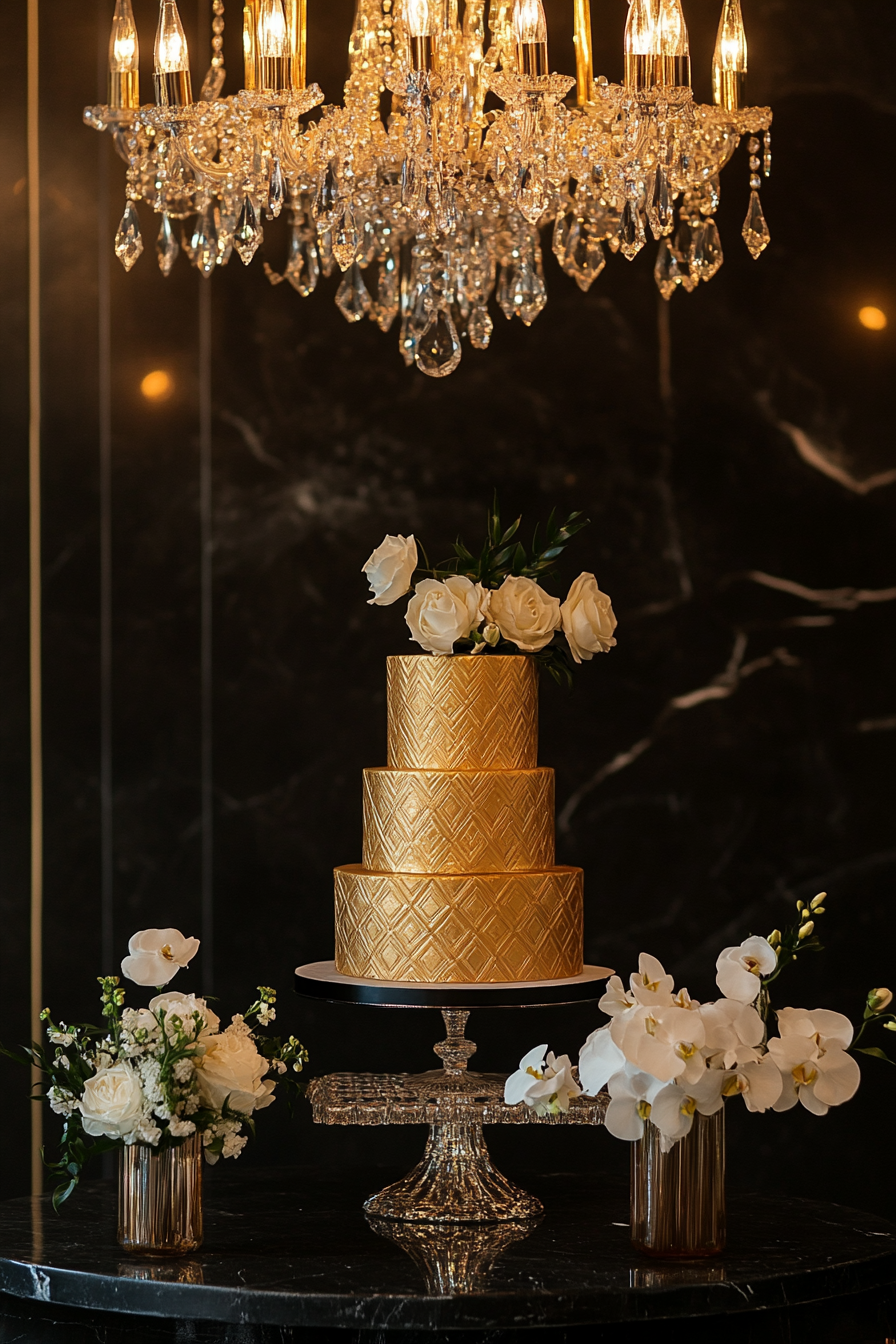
(290, 1254)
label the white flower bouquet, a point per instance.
(157, 1075)
(492, 601)
(664, 1056)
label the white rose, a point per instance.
(439, 614)
(232, 1068)
(112, 1103)
(156, 955)
(184, 1006)
(390, 570)
(588, 620)
(523, 612)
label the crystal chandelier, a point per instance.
(432, 209)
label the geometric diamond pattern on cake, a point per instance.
(462, 713)
(463, 928)
(458, 821)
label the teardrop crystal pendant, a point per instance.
(205, 239)
(755, 230)
(584, 259)
(666, 272)
(659, 211)
(438, 349)
(248, 232)
(480, 328)
(167, 247)
(276, 190)
(562, 225)
(345, 240)
(707, 250)
(353, 297)
(387, 302)
(128, 241)
(631, 231)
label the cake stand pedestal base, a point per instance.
(456, 1181)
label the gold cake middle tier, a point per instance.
(458, 821)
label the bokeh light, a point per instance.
(874, 319)
(157, 385)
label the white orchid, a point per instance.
(543, 1082)
(663, 1041)
(674, 1106)
(156, 955)
(631, 1098)
(739, 970)
(733, 1032)
(651, 986)
(811, 1056)
(758, 1081)
(599, 1058)
(616, 998)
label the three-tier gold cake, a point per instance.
(458, 883)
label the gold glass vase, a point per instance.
(160, 1198)
(678, 1197)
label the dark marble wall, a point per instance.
(734, 753)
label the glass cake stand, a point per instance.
(456, 1181)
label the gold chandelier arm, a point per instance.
(584, 51)
(214, 172)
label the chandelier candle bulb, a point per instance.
(172, 61)
(584, 52)
(421, 26)
(124, 58)
(674, 49)
(729, 62)
(641, 45)
(531, 32)
(274, 61)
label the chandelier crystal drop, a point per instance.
(453, 160)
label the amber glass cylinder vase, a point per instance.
(160, 1198)
(678, 1197)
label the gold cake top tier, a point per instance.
(462, 712)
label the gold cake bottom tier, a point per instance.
(463, 928)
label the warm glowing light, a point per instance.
(420, 18)
(731, 42)
(529, 22)
(157, 386)
(273, 34)
(641, 38)
(873, 319)
(672, 32)
(124, 51)
(171, 56)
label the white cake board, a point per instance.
(321, 980)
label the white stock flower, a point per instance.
(758, 1081)
(544, 1083)
(156, 955)
(62, 1102)
(811, 1055)
(181, 1129)
(390, 570)
(650, 985)
(184, 1006)
(112, 1103)
(631, 1099)
(599, 1058)
(739, 970)
(587, 619)
(439, 614)
(61, 1037)
(232, 1070)
(665, 1042)
(523, 612)
(674, 1105)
